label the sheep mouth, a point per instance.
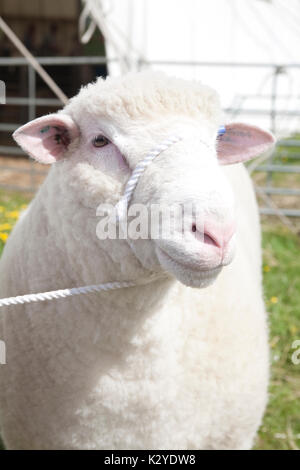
(186, 273)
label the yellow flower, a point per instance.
(3, 237)
(2, 209)
(13, 214)
(267, 268)
(293, 329)
(23, 206)
(274, 300)
(5, 226)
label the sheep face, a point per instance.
(185, 184)
(195, 236)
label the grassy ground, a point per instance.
(281, 426)
(10, 206)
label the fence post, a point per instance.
(273, 98)
(31, 114)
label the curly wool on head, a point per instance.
(147, 94)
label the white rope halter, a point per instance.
(122, 207)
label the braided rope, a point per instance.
(63, 293)
(122, 205)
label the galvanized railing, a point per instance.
(31, 102)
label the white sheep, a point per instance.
(159, 365)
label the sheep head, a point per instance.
(112, 125)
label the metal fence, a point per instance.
(31, 102)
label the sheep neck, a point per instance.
(137, 316)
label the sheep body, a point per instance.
(158, 366)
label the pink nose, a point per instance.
(214, 234)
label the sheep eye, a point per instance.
(100, 141)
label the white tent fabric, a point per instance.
(169, 34)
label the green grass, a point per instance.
(10, 206)
(281, 426)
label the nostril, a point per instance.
(213, 234)
(209, 240)
(203, 237)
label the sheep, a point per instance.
(180, 359)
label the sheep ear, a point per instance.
(241, 142)
(47, 138)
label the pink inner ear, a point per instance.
(242, 142)
(47, 138)
(55, 140)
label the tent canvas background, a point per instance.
(169, 34)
